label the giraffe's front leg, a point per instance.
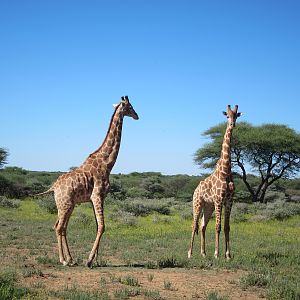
(97, 198)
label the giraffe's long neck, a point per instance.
(110, 148)
(105, 156)
(224, 163)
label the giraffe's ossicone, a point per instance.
(89, 182)
(216, 191)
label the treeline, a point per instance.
(19, 183)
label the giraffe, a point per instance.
(89, 183)
(215, 191)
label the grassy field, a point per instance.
(145, 257)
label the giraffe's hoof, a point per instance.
(228, 256)
(203, 254)
(89, 264)
(65, 263)
(72, 263)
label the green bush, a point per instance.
(124, 217)
(84, 219)
(8, 289)
(255, 279)
(239, 211)
(213, 295)
(281, 210)
(285, 287)
(143, 207)
(9, 203)
(129, 280)
(47, 202)
(171, 262)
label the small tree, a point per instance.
(270, 151)
(153, 187)
(3, 157)
(116, 190)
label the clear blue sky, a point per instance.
(64, 63)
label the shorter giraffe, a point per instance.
(89, 183)
(215, 191)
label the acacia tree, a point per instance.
(270, 151)
(3, 156)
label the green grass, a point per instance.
(268, 250)
(8, 287)
(215, 296)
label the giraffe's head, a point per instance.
(232, 115)
(126, 108)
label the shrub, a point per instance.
(238, 212)
(242, 197)
(170, 262)
(186, 214)
(284, 288)
(213, 295)
(127, 293)
(281, 210)
(129, 280)
(75, 294)
(9, 203)
(258, 218)
(46, 260)
(48, 203)
(8, 289)
(255, 279)
(124, 217)
(143, 207)
(150, 277)
(83, 219)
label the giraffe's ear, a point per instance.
(115, 105)
(224, 113)
(239, 114)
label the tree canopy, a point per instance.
(3, 156)
(270, 151)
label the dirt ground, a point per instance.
(183, 283)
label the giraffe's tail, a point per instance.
(50, 190)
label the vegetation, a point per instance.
(148, 220)
(265, 248)
(132, 191)
(272, 151)
(3, 156)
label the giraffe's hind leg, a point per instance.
(195, 226)
(227, 212)
(58, 230)
(207, 212)
(228, 205)
(60, 234)
(66, 248)
(218, 211)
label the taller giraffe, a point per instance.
(215, 191)
(89, 182)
